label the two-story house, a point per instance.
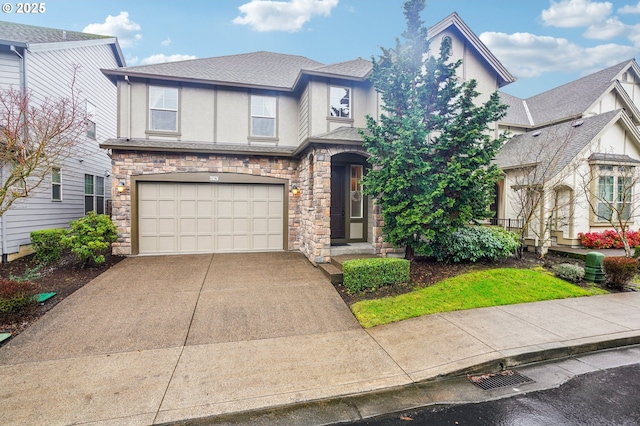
(255, 152)
(42, 61)
(575, 141)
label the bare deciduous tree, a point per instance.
(610, 183)
(36, 135)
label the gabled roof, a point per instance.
(554, 147)
(267, 70)
(453, 20)
(569, 100)
(32, 37)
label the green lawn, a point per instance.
(491, 287)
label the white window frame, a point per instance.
(263, 112)
(356, 210)
(55, 184)
(617, 175)
(336, 97)
(164, 104)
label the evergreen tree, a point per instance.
(431, 150)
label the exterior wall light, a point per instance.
(120, 188)
(295, 191)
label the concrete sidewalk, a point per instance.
(171, 338)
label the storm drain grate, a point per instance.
(503, 379)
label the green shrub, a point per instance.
(48, 244)
(15, 296)
(472, 243)
(569, 272)
(30, 274)
(90, 237)
(636, 252)
(373, 273)
(619, 270)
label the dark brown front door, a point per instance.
(338, 203)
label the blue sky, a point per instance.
(544, 43)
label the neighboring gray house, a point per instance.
(255, 152)
(41, 60)
(581, 134)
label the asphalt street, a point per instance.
(607, 397)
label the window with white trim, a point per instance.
(56, 184)
(614, 192)
(93, 194)
(163, 109)
(340, 102)
(263, 116)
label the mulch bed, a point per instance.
(64, 277)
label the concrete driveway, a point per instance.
(158, 339)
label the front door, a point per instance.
(348, 205)
(338, 205)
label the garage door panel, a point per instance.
(209, 217)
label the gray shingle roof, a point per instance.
(203, 147)
(267, 69)
(568, 100)
(553, 147)
(359, 68)
(344, 133)
(261, 69)
(516, 113)
(21, 33)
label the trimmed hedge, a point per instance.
(473, 243)
(373, 273)
(48, 244)
(619, 270)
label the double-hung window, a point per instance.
(340, 102)
(93, 194)
(263, 116)
(56, 184)
(615, 193)
(163, 109)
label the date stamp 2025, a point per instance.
(27, 8)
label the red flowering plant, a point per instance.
(608, 239)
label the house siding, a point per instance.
(49, 75)
(9, 69)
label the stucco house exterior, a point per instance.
(41, 60)
(583, 134)
(255, 152)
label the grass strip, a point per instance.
(493, 287)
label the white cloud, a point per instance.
(634, 35)
(269, 15)
(575, 13)
(606, 30)
(630, 9)
(166, 42)
(528, 55)
(118, 26)
(161, 58)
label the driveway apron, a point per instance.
(165, 338)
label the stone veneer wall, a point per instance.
(128, 163)
(309, 213)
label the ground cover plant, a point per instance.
(491, 287)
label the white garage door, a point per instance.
(207, 217)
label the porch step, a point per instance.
(333, 270)
(352, 248)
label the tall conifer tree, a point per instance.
(431, 150)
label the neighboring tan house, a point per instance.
(41, 60)
(255, 152)
(583, 134)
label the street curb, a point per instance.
(347, 408)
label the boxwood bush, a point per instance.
(47, 244)
(90, 237)
(373, 273)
